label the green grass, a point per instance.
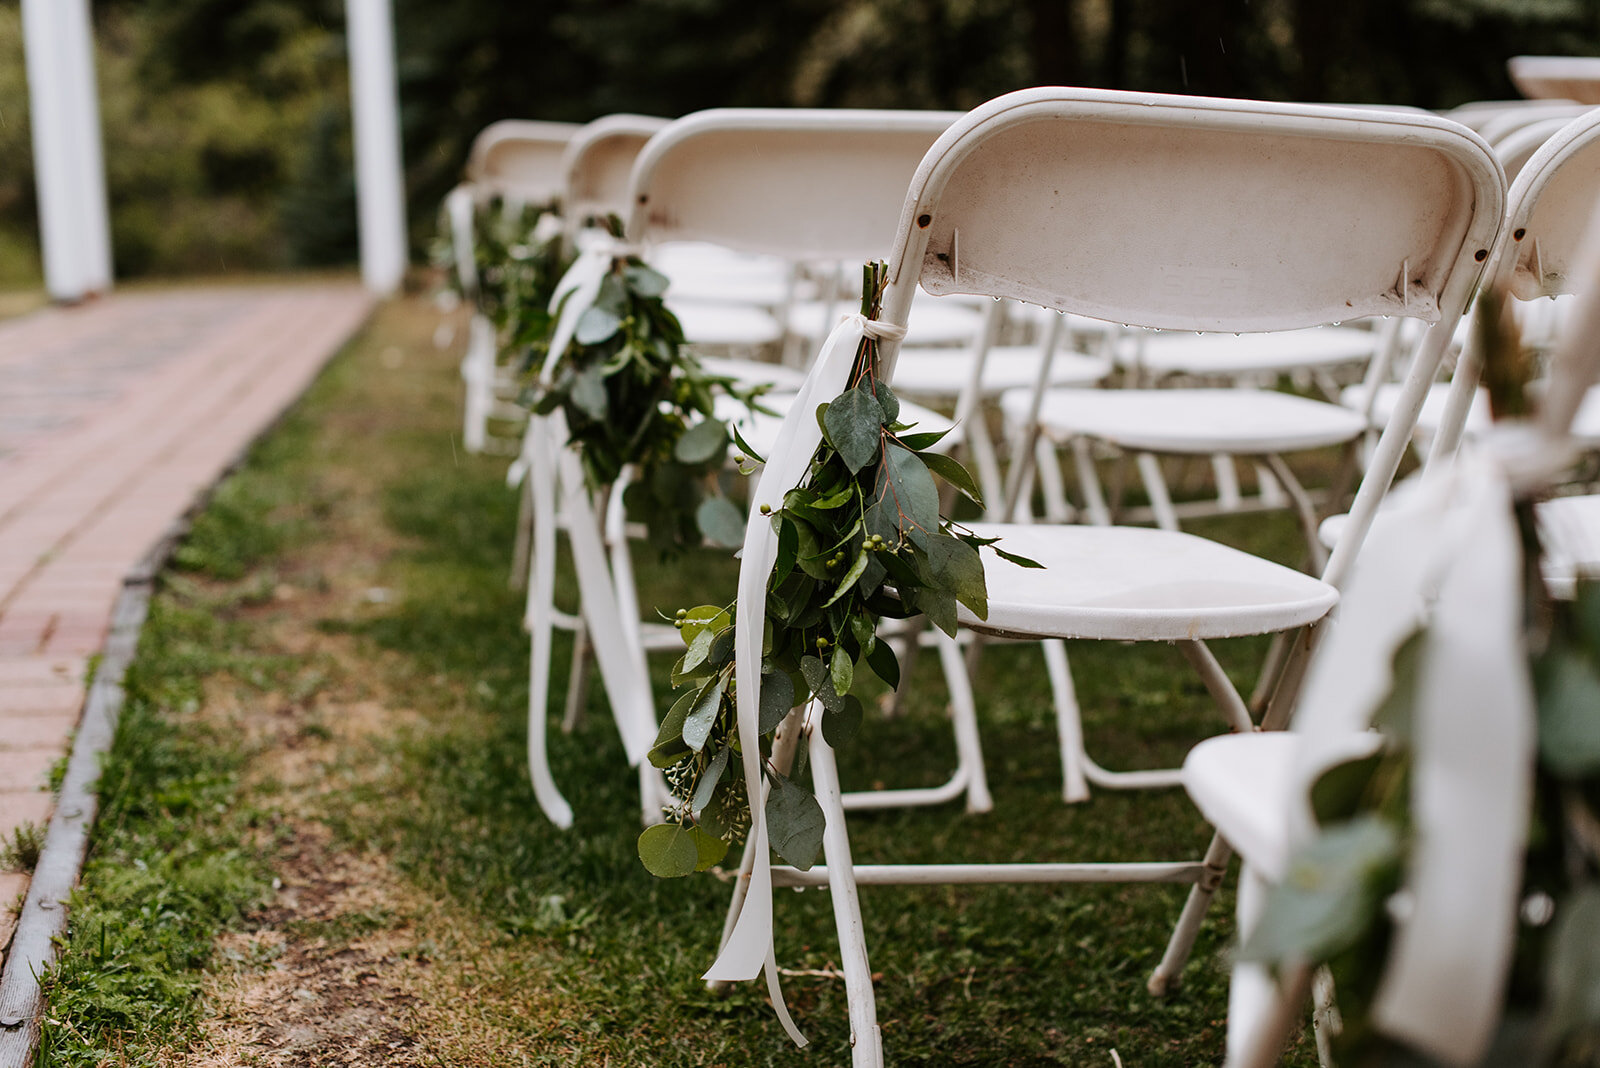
(590, 957)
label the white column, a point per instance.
(375, 106)
(91, 171)
(68, 168)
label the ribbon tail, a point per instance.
(749, 947)
(629, 691)
(574, 295)
(1443, 987)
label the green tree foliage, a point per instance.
(227, 120)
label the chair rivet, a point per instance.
(924, 220)
(1519, 234)
(1481, 255)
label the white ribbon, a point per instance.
(460, 208)
(621, 670)
(749, 948)
(578, 288)
(1444, 554)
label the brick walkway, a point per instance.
(114, 416)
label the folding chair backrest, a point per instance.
(1475, 114)
(598, 161)
(521, 159)
(1550, 204)
(1507, 124)
(1548, 77)
(796, 183)
(1198, 214)
(1516, 149)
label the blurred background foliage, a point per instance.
(227, 121)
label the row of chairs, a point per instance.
(1177, 214)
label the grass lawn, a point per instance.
(319, 844)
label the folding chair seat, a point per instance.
(1069, 198)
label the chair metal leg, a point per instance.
(1155, 487)
(524, 538)
(1218, 685)
(1069, 721)
(1227, 475)
(577, 677)
(1056, 506)
(964, 718)
(1094, 497)
(541, 626)
(1304, 509)
(866, 1040)
(1215, 864)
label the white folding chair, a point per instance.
(518, 162)
(799, 185)
(1073, 199)
(1444, 553)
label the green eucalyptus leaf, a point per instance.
(702, 443)
(884, 397)
(809, 552)
(668, 851)
(720, 522)
(1568, 688)
(1393, 716)
(645, 280)
(588, 392)
(1331, 894)
(699, 649)
(596, 325)
(819, 680)
(905, 492)
(955, 566)
(612, 297)
(865, 631)
(708, 781)
(794, 823)
(709, 847)
(704, 617)
(669, 747)
(788, 550)
(841, 726)
(777, 698)
(863, 557)
(703, 713)
(854, 422)
(1572, 1007)
(952, 472)
(924, 440)
(884, 664)
(1020, 561)
(721, 648)
(841, 670)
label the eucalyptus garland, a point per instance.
(519, 257)
(634, 395)
(1335, 905)
(860, 540)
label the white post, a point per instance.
(375, 105)
(68, 169)
(91, 172)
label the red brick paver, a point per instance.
(114, 417)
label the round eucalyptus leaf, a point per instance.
(669, 851)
